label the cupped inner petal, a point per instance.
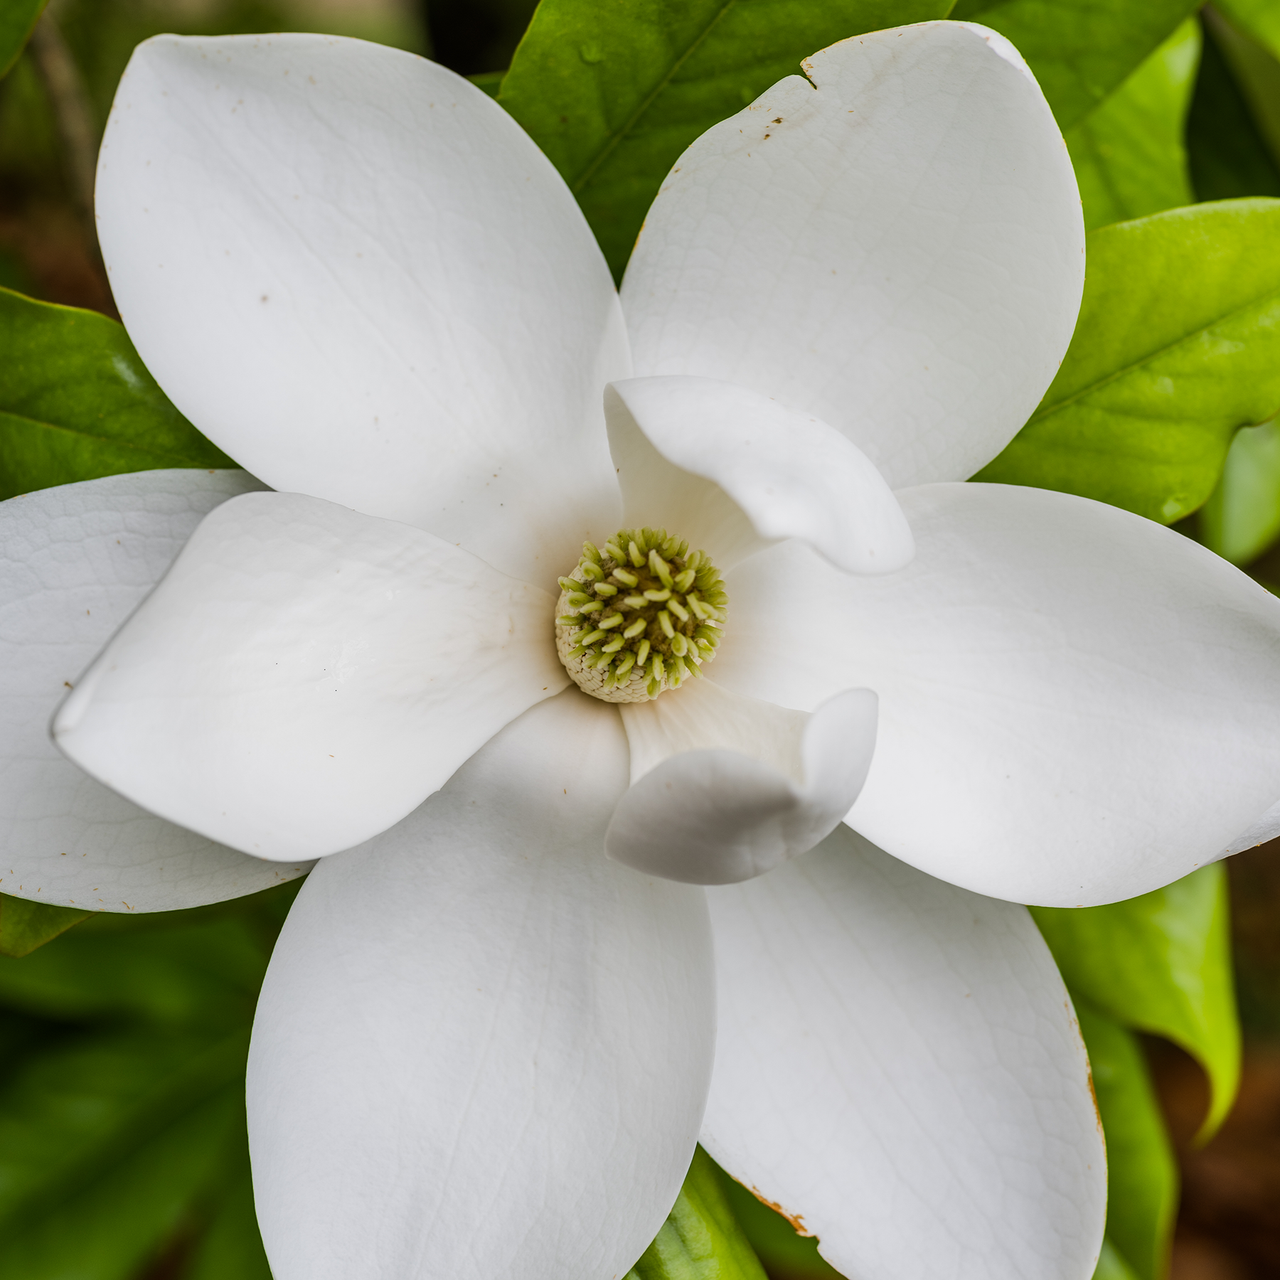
(725, 787)
(1076, 704)
(898, 1069)
(417, 315)
(896, 248)
(731, 471)
(482, 1049)
(304, 676)
(75, 561)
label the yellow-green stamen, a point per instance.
(638, 615)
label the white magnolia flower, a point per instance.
(483, 1048)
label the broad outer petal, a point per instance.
(482, 1048)
(899, 252)
(75, 561)
(730, 471)
(899, 1070)
(305, 676)
(725, 787)
(1076, 705)
(357, 274)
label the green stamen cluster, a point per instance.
(638, 615)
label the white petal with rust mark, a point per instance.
(899, 1070)
(898, 251)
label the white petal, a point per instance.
(74, 563)
(305, 676)
(1076, 705)
(1264, 828)
(725, 787)
(899, 252)
(898, 1069)
(482, 1048)
(418, 318)
(730, 471)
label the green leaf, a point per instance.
(614, 93)
(1177, 346)
(17, 18)
(207, 973)
(77, 403)
(701, 1239)
(1128, 153)
(1242, 517)
(1259, 19)
(489, 81)
(1255, 69)
(1080, 50)
(231, 1247)
(1160, 963)
(1142, 1174)
(104, 1144)
(779, 1246)
(25, 925)
(1227, 154)
(1111, 1266)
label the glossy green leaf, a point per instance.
(1142, 1173)
(1128, 153)
(77, 403)
(613, 93)
(1080, 50)
(1177, 346)
(701, 1239)
(1111, 1266)
(25, 925)
(1160, 963)
(785, 1253)
(105, 1142)
(1242, 517)
(1227, 154)
(17, 18)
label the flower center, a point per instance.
(638, 616)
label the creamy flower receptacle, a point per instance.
(639, 616)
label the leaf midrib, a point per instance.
(615, 139)
(1039, 416)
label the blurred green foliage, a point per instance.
(122, 1132)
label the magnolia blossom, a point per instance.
(485, 1048)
